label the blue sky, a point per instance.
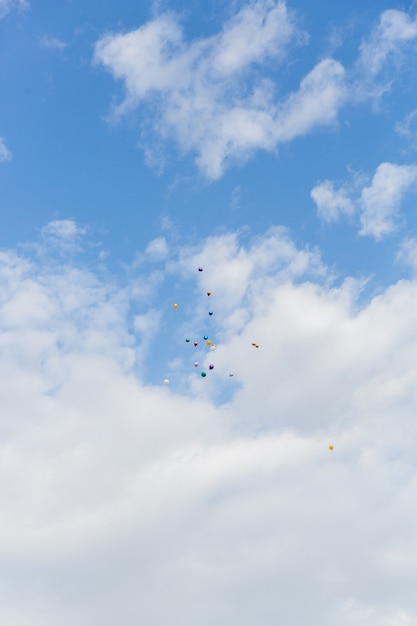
(273, 144)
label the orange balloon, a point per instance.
(209, 293)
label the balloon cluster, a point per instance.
(208, 343)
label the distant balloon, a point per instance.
(208, 342)
(196, 364)
(331, 447)
(230, 374)
(213, 347)
(210, 312)
(211, 366)
(187, 340)
(205, 337)
(175, 306)
(256, 345)
(196, 343)
(166, 381)
(203, 374)
(209, 293)
(200, 269)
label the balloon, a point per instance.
(203, 374)
(187, 340)
(196, 364)
(166, 381)
(211, 366)
(210, 312)
(331, 447)
(205, 337)
(196, 343)
(256, 345)
(209, 293)
(230, 374)
(175, 306)
(213, 347)
(200, 269)
(208, 342)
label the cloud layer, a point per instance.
(171, 506)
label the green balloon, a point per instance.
(203, 374)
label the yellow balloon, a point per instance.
(175, 306)
(330, 447)
(208, 342)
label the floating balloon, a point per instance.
(331, 447)
(230, 374)
(196, 364)
(205, 337)
(208, 342)
(209, 293)
(200, 269)
(196, 343)
(175, 306)
(203, 374)
(210, 312)
(256, 345)
(211, 366)
(213, 347)
(166, 381)
(187, 340)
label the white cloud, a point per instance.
(331, 203)
(64, 229)
(125, 502)
(407, 253)
(377, 204)
(5, 154)
(8, 5)
(382, 199)
(395, 30)
(211, 95)
(157, 249)
(384, 55)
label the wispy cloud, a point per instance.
(384, 54)
(6, 6)
(388, 41)
(5, 154)
(52, 43)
